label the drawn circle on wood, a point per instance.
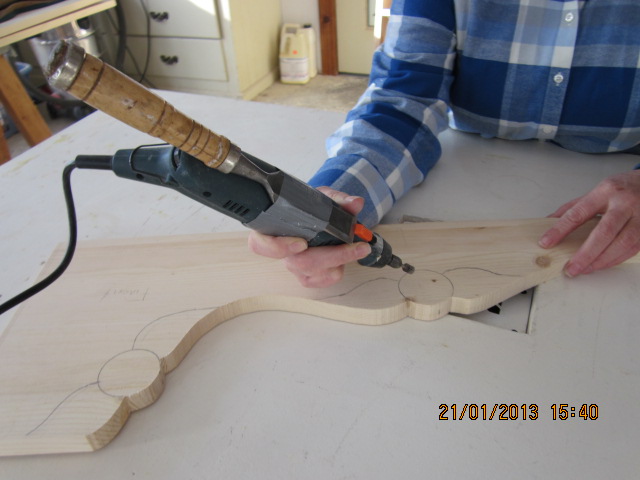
(429, 293)
(135, 374)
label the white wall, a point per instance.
(303, 11)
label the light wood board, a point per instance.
(95, 346)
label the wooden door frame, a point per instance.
(329, 33)
(328, 36)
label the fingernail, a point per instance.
(363, 249)
(297, 246)
(571, 270)
(544, 241)
(347, 200)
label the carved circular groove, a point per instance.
(136, 375)
(429, 292)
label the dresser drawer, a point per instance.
(172, 18)
(179, 57)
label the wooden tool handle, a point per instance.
(103, 87)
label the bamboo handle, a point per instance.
(103, 87)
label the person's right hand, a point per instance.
(317, 266)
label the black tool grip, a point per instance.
(235, 196)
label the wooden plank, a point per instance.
(328, 36)
(95, 346)
(20, 106)
(5, 154)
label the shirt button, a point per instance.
(569, 17)
(558, 78)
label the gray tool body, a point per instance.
(255, 193)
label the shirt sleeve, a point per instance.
(388, 142)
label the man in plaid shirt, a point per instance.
(566, 71)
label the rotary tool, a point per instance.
(205, 166)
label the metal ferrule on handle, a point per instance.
(103, 87)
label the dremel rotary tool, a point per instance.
(255, 193)
(205, 166)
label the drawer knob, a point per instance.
(159, 16)
(169, 60)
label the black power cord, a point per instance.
(99, 162)
(66, 260)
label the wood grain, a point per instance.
(328, 36)
(95, 346)
(20, 106)
(5, 153)
(111, 91)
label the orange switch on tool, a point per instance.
(363, 232)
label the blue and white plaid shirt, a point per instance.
(561, 70)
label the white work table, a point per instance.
(276, 395)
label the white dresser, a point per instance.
(220, 47)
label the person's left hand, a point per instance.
(615, 238)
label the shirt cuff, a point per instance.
(360, 179)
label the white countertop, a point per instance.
(274, 395)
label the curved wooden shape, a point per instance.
(95, 346)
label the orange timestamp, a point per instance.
(514, 411)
